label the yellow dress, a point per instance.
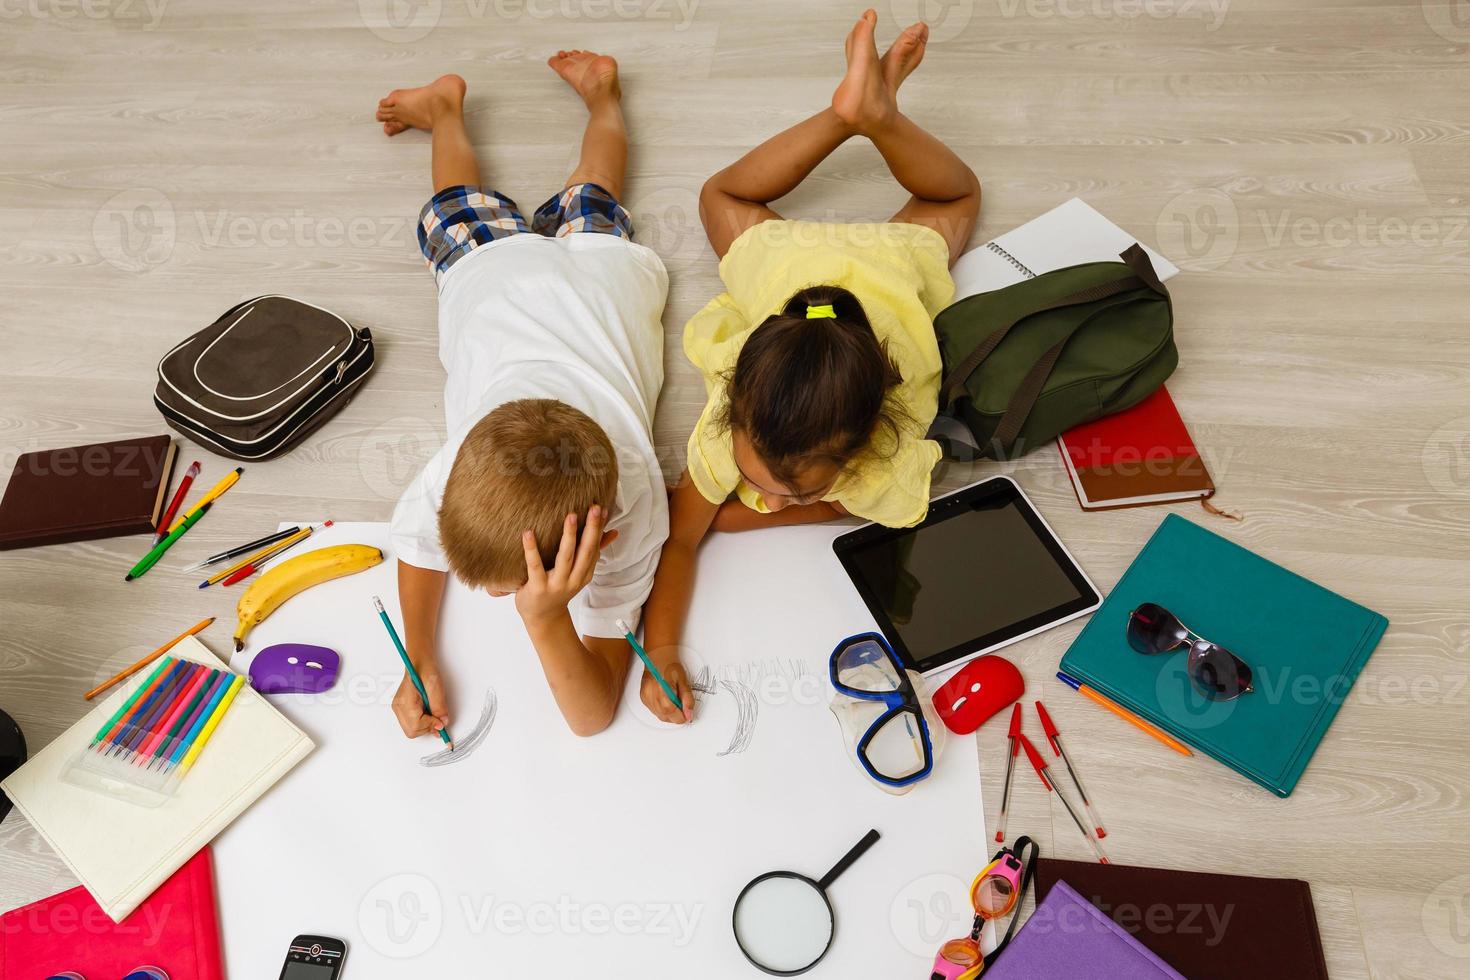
(900, 273)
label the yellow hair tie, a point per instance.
(821, 312)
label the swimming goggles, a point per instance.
(994, 894)
(881, 713)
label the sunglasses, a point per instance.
(1216, 673)
(895, 746)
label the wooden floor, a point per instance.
(1306, 161)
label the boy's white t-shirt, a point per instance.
(577, 319)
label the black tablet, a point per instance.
(982, 571)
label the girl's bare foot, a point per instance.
(418, 108)
(864, 99)
(593, 76)
(904, 55)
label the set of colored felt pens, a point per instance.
(154, 739)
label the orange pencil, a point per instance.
(1124, 713)
(130, 671)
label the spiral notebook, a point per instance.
(1069, 234)
(121, 851)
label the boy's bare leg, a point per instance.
(438, 109)
(604, 159)
(946, 192)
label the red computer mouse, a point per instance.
(983, 687)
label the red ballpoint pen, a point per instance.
(1039, 764)
(1005, 794)
(1055, 738)
(167, 520)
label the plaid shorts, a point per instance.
(460, 219)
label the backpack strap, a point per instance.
(954, 383)
(1137, 259)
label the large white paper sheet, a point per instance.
(618, 856)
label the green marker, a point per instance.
(151, 559)
(163, 663)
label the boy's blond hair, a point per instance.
(525, 466)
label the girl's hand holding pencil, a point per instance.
(657, 701)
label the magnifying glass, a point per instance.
(784, 923)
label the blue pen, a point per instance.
(643, 656)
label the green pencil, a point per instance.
(151, 559)
(643, 656)
(413, 675)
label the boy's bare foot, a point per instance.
(904, 55)
(864, 99)
(593, 76)
(418, 108)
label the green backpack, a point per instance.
(1025, 363)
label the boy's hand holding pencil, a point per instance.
(408, 707)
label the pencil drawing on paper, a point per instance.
(740, 682)
(464, 747)
(746, 709)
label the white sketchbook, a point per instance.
(619, 855)
(122, 851)
(1069, 234)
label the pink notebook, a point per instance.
(1067, 938)
(176, 929)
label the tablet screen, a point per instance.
(981, 571)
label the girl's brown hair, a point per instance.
(808, 390)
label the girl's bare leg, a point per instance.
(739, 196)
(946, 193)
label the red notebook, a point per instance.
(176, 929)
(1142, 455)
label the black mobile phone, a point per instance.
(314, 958)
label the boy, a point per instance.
(550, 334)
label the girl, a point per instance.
(820, 359)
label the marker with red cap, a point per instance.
(1055, 738)
(1005, 795)
(1039, 764)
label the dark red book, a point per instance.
(81, 493)
(1141, 455)
(1206, 926)
(176, 929)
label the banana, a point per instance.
(266, 594)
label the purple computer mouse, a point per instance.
(294, 668)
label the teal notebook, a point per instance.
(1304, 644)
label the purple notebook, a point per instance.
(1067, 938)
